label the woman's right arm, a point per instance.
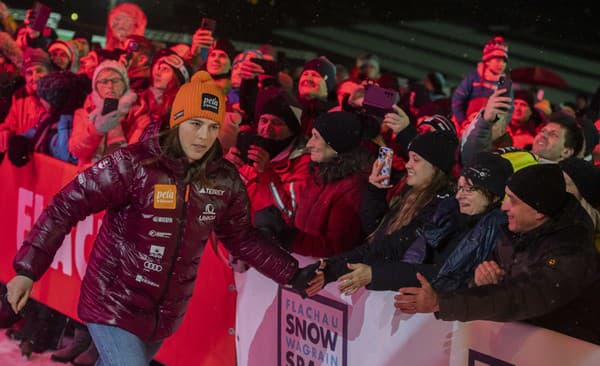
(102, 185)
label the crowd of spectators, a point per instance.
(489, 210)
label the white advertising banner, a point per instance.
(275, 326)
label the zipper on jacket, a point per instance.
(173, 260)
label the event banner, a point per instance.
(365, 329)
(312, 331)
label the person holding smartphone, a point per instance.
(393, 226)
(124, 20)
(137, 287)
(326, 220)
(277, 174)
(218, 62)
(112, 116)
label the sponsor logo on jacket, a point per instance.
(144, 280)
(165, 196)
(157, 251)
(159, 234)
(208, 214)
(158, 219)
(211, 191)
(150, 266)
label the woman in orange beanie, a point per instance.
(163, 198)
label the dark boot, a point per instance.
(81, 341)
(87, 358)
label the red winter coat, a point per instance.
(287, 174)
(143, 266)
(328, 217)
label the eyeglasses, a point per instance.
(107, 81)
(466, 189)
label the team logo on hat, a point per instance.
(210, 103)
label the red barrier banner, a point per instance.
(207, 334)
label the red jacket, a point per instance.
(287, 174)
(143, 266)
(328, 217)
(25, 112)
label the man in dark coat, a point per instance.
(544, 270)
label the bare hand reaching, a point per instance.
(18, 290)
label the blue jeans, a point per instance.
(118, 347)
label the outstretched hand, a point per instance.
(413, 300)
(351, 282)
(318, 282)
(305, 278)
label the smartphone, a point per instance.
(211, 25)
(385, 156)
(208, 24)
(110, 104)
(505, 83)
(38, 16)
(244, 140)
(379, 101)
(269, 66)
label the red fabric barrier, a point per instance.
(206, 335)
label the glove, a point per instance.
(19, 150)
(302, 276)
(126, 101)
(107, 122)
(334, 268)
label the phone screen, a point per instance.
(110, 104)
(39, 16)
(269, 66)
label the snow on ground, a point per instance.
(10, 354)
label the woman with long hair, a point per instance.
(460, 235)
(163, 198)
(393, 228)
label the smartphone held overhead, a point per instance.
(269, 66)
(208, 24)
(38, 16)
(379, 101)
(506, 84)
